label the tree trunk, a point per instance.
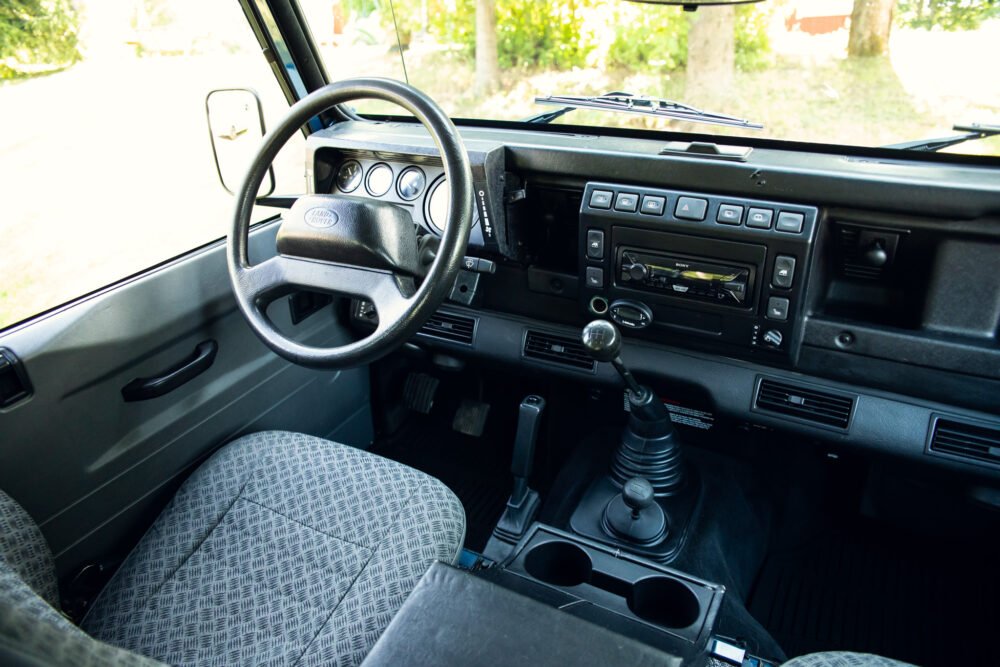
(487, 64)
(711, 50)
(871, 22)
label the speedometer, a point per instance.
(411, 183)
(439, 205)
(379, 179)
(349, 176)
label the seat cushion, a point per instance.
(280, 549)
(843, 659)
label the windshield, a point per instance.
(854, 72)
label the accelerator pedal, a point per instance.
(470, 418)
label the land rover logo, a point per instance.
(321, 218)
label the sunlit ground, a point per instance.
(107, 168)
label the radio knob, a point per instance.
(773, 338)
(638, 272)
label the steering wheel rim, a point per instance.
(255, 286)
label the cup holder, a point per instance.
(559, 563)
(664, 601)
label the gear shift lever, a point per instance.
(649, 448)
(604, 343)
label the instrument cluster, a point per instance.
(422, 188)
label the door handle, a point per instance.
(143, 389)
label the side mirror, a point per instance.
(236, 127)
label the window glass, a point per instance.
(853, 72)
(105, 159)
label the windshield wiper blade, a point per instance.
(642, 104)
(972, 132)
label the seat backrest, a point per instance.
(32, 628)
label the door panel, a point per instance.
(91, 468)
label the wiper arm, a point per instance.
(972, 132)
(629, 103)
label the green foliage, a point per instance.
(37, 35)
(544, 34)
(753, 44)
(649, 38)
(946, 14)
(530, 33)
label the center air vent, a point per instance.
(447, 326)
(557, 349)
(981, 443)
(804, 403)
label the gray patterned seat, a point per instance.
(843, 659)
(282, 549)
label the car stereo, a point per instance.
(684, 277)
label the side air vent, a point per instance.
(969, 441)
(804, 403)
(557, 349)
(448, 326)
(866, 254)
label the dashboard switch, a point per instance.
(729, 214)
(652, 205)
(789, 222)
(784, 271)
(691, 208)
(595, 244)
(760, 218)
(777, 308)
(773, 338)
(595, 277)
(601, 199)
(626, 202)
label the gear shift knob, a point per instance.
(602, 340)
(637, 494)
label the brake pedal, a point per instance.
(470, 418)
(419, 391)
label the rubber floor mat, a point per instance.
(918, 600)
(477, 470)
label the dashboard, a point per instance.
(853, 300)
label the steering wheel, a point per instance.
(351, 246)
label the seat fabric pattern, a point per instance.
(843, 659)
(24, 549)
(282, 549)
(29, 619)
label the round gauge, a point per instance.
(439, 205)
(349, 176)
(411, 183)
(379, 179)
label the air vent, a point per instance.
(804, 403)
(852, 263)
(866, 254)
(447, 326)
(557, 349)
(966, 440)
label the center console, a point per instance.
(724, 273)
